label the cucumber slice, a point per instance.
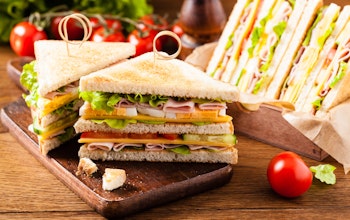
(225, 138)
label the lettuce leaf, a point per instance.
(322, 39)
(317, 103)
(340, 74)
(67, 135)
(151, 122)
(107, 101)
(309, 32)
(258, 32)
(292, 3)
(66, 108)
(29, 81)
(98, 100)
(229, 42)
(181, 150)
(325, 173)
(115, 123)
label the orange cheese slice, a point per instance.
(153, 141)
(211, 116)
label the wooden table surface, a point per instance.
(28, 190)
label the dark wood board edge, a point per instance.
(114, 208)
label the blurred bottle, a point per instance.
(202, 22)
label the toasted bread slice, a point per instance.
(83, 125)
(147, 75)
(229, 156)
(60, 63)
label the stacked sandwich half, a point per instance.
(148, 109)
(294, 51)
(53, 79)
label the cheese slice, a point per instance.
(153, 141)
(239, 43)
(61, 125)
(211, 116)
(47, 106)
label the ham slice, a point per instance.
(198, 147)
(344, 55)
(106, 146)
(71, 88)
(155, 147)
(179, 107)
(212, 106)
(124, 103)
(121, 146)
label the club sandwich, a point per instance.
(148, 109)
(277, 25)
(53, 79)
(328, 83)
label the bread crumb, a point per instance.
(113, 179)
(86, 166)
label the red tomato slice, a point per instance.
(170, 136)
(111, 135)
(103, 135)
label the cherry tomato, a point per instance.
(22, 38)
(101, 34)
(74, 29)
(288, 175)
(111, 24)
(143, 44)
(155, 20)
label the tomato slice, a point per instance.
(103, 135)
(112, 135)
(170, 136)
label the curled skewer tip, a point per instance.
(63, 30)
(162, 55)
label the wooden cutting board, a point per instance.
(148, 184)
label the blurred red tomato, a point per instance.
(22, 38)
(111, 24)
(157, 21)
(74, 29)
(101, 34)
(143, 41)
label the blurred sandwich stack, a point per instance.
(294, 51)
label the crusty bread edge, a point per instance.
(83, 125)
(200, 85)
(229, 156)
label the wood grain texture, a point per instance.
(147, 185)
(29, 191)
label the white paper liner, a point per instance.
(331, 134)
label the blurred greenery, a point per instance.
(14, 11)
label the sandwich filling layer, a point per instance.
(55, 114)
(118, 110)
(179, 143)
